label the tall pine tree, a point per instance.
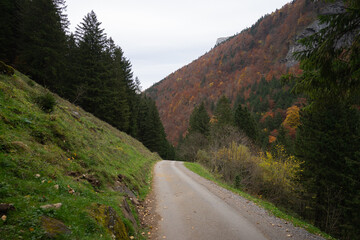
(10, 18)
(200, 121)
(328, 145)
(245, 122)
(91, 41)
(43, 41)
(151, 131)
(223, 112)
(329, 137)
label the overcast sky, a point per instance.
(161, 36)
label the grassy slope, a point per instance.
(200, 170)
(53, 145)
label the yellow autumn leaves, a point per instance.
(72, 157)
(271, 174)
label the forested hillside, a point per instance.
(85, 67)
(287, 133)
(245, 68)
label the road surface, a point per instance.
(191, 207)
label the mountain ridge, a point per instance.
(233, 66)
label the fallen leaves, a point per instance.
(71, 191)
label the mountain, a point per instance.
(238, 68)
(65, 174)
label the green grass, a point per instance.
(40, 149)
(205, 173)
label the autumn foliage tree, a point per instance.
(234, 67)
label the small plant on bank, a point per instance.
(6, 69)
(46, 102)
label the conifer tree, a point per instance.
(151, 131)
(328, 145)
(91, 41)
(43, 42)
(10, 19)
(199, 121)
(223, 112)
(328, 137)
(245, 122)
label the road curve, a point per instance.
(191, 207)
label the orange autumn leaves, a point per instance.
(291, 122)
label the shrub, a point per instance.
(46, 102)
(273, 176)
(279, 175)
(6, 69)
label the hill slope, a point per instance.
(69, 157)
(233, 67)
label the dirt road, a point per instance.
(191, 207)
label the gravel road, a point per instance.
(191, 207)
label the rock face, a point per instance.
(127, 213)
(313, 28)
(54, 227)
(221, 40)
(109, 219)
(297, 47)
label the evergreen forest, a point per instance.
(85, 67)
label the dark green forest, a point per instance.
(86, 67)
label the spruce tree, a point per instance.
(115, 108)
(245, 122)
(223, 112)
(328, 145)
(328, 137)
(91, 41)
(199, 121)
(43, 42)
(10, 19)
(151, 131)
